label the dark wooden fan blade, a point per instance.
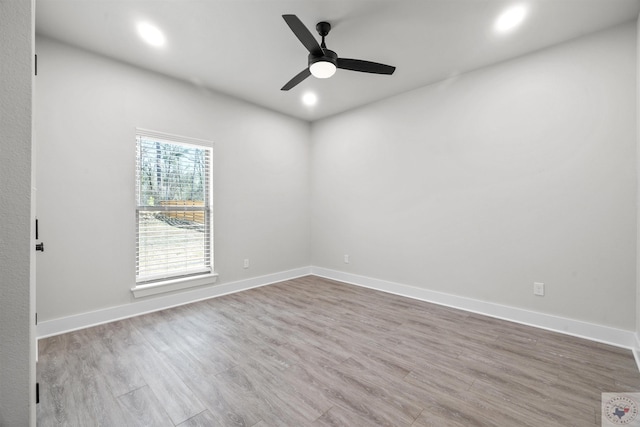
(303, 34)
(365, 66)
(297, 79)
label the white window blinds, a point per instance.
(173, 193)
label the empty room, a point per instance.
(319, 213)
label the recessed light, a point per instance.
(510, 18)
(151, 34)
(309, 99)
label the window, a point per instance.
(173, 213)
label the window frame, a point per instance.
(149, 285)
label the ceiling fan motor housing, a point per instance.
(328, 56)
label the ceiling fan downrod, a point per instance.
(323, 29)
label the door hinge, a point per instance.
(36, 318)
(37, 393)
(36, 65)
(39, 246)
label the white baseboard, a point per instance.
(591, 331)
(85, 320)
(636, 349)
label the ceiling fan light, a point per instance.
(322, 69)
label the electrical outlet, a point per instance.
(346, 258)
(246, 263)
(538, 288)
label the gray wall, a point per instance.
(87, 109)
(17, 342)
(478, 186)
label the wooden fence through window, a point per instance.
(195, 216)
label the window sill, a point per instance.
(148, 289)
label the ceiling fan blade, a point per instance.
(303, 34)
(364, 66)
(297, 79)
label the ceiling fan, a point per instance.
(322, 61)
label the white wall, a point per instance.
(87, 109)
(637, 89)
(478, 186)
(17, 337)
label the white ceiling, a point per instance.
(245, 49)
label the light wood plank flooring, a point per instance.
(314, 352)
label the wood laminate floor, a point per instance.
(314, 352)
